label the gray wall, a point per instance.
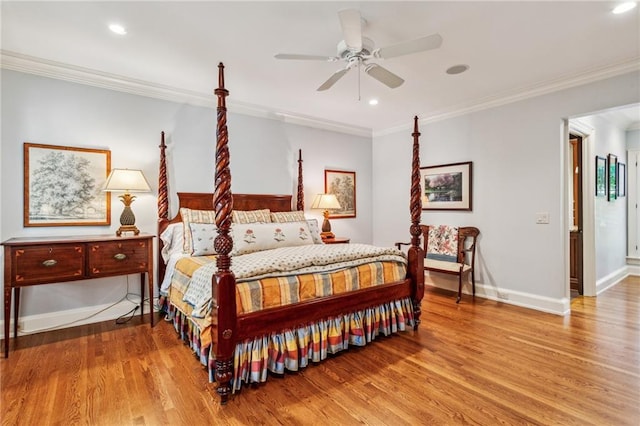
(263, 160)
(518, 158)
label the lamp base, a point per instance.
(127, 228)
(327, 235)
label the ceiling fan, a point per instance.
(356, 50)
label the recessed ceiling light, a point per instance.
(457, 69)
(118, 29)
(624, 7)
(373, 102)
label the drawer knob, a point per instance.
(49, 263)
(120, 256)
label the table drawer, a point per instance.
(44, 264)
(118, 257)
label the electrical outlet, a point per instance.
(20, 325)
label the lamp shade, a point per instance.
(126, 180)
(325, 202)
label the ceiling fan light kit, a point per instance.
(357, 50)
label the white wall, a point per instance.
(610, 216)
(518, 170)
(263, 160)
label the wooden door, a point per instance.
(575, 233)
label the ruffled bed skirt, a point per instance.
(292, 349)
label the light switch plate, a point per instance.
(542, 218)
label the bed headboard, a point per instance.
(204, 201)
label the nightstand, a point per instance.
(337, 240)
(47, 260)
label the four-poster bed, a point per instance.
(228, 335)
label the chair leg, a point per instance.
(459, 288)
(473, 282)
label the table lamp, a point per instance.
(127, 181)
(326, 202)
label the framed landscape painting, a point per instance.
(343, 185)
(447, 187)
(63, 186)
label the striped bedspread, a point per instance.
(288, 275)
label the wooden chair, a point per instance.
(450, 250)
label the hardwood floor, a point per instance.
(479, 362)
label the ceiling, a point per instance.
(514, 49)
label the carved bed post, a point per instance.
(300, 198)
(226, 292)
(416, 254)
(163, 205)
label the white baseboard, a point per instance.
(612, 279)
(633, 265)
(512, 297)
(72, 318)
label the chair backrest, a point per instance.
(450, 243)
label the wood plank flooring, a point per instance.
(482, 362)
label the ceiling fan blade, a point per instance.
(306, 57)
(421, 44)
(332, 80)
(384, 76)
(351, 28)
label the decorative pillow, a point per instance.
(251, 216)
(250, 237)
(172, 239)
(293, 216)
(202, 236)
(314, 228)
(190, 216)
(443, 243)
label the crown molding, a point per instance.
(75, 74)
(61, 71)
(517, 95)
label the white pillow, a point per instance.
(173, 239)
(250, 237)
(292, 216)
(190, 216)
(202, 237)
(314, 228)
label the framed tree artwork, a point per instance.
(343, 185)
(63, 186)
(612, 176)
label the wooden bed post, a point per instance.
(226, 288)
(300, 198)
(163, 206)
(416, 254)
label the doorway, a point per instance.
(575, 231)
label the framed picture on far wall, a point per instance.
(601, 177)
(446, 187)
(622, 180)
(343, 185)
(612, 176)
(63, 186)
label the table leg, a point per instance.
(151, 313)
(16, 307)
(142, 295)
(7, 317)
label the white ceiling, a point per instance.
(514, 49)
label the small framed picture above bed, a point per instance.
(447, 186)
(343, 185)
(63, 186)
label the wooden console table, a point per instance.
(48, 260)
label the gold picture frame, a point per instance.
(63, 186)
(343, 185)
